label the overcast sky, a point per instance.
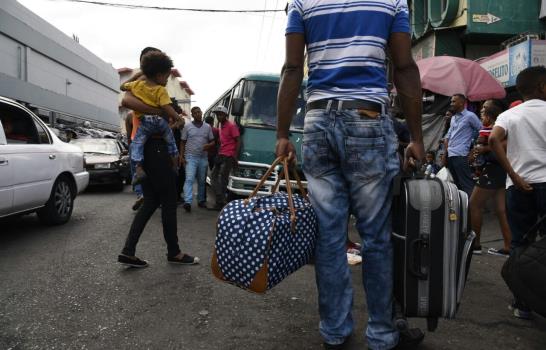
(211, 50)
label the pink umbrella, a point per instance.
(446, 75)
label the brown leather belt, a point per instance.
(339, 105)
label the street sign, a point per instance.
(487, 19)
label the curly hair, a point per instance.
(155, 62)
(146, 50)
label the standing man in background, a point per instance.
(197, 139)
(228, 155)
(350, 148)
(464, 128)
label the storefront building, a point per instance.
(471, 29)
(506, 64)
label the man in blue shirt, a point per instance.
(463, 129)
(349, 148)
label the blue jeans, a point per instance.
(196, 168)
(523, 210)
(136, 188)
(350, 162)
(460, 170)
(150, 125)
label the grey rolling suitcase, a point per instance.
(432, 244)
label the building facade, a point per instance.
(63, 82)
(470, 28)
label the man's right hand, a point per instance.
(285, 148)
(415, 152)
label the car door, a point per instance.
(6, 177)
(32, 157)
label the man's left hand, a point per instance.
(415, 152)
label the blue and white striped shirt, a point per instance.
(346, 42)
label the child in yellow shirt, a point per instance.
(150, 89)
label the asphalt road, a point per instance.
(61, 288)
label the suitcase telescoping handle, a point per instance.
(416, 256)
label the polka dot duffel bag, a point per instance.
(262, 240)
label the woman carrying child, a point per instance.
(158, 149)
(150, 89)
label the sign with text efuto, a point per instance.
(498, 66)
(507, 64)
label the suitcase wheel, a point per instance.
(401, 324)
(432, 324)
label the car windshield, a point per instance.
(96, 146)
(261, 105)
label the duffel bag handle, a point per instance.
(284, 161)
(303, 191)
(264, 178)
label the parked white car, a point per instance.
(38, 171)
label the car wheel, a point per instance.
(58, 208)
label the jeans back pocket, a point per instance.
(366, 157)
(315, 153)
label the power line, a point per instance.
(260, 36)
(133, 7)
(266, 52)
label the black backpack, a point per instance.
(525, 271)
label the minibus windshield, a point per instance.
(261, 105)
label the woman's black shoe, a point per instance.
(131, 261)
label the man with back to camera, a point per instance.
(458, 140)
(524, 160)
(349, 149)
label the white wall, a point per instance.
(37, 60)
(50, 75)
